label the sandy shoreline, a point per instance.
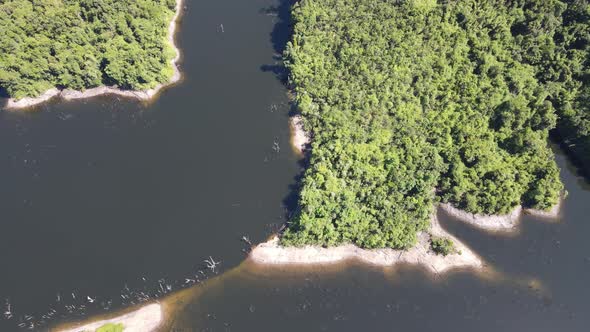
(500, 223)
(145, 319)
(68, 94)
(494, 223)
(272, 253)
(299, 138)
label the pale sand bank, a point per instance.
(146, 319)
(505, 222)
(29, 101)
(500, 223)
(299, 138)
(68, 94)
(272, 253)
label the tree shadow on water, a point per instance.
(576, 151)
(291, 201)
(4, 93)
(279, 37)
(4, 96)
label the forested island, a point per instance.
(411, 103)
(55, 45)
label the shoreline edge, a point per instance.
(145, 319)
(68, 94)
(272, 253)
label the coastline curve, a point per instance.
(272, 253)
(492, 223)
(506, 223)
(146, 319)
(69, 94)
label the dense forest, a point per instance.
(80, 44)
(419, 101)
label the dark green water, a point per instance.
(116, 200)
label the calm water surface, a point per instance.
(121, 201)
(100, 194)
(541, 284)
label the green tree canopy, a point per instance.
(411, 102)
(81, 44)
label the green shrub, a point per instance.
(110, 327)
(442, 245)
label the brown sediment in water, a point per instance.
(144, 95)
(153, 317)
(270, 254)
(157, 316)
(172, 307)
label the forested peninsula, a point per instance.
(50, 46)
(411, 103)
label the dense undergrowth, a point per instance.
(82, 44)
(403, 97)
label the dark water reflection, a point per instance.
(107, 196)
(542, 285)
